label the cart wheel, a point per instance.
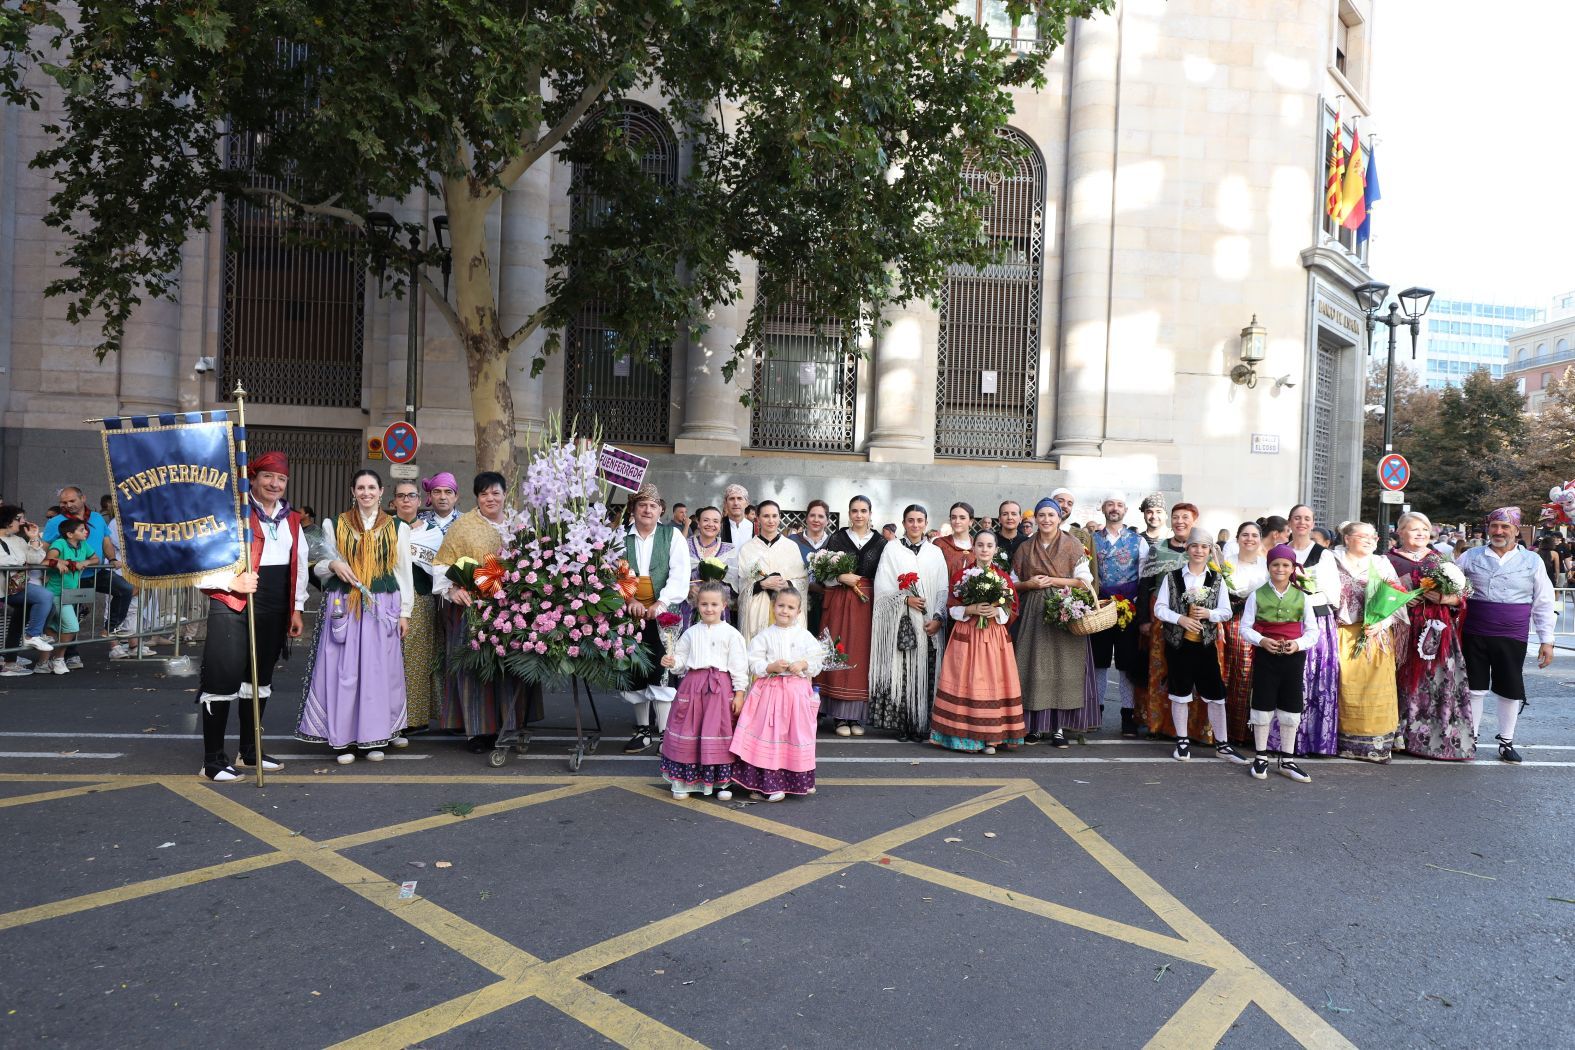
(590, 744)
(575, 758)
(522, 745)
(497, 758)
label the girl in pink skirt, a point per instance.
(715, 668)
(774, 742)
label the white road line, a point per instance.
(421, 738)
(62, 754)
(991, 761)
(328, 756)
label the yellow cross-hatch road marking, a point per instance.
(1202, 1021)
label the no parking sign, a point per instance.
(400, 442)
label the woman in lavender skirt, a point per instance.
(355, 686)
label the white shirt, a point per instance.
(275, 551)
(716, 646)
(1219, 614)
(785, 643)
(743, 530)
(638, 548)
(1249, 618)
(1518, 578)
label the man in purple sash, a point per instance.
(1120, 552)
(1511, 593)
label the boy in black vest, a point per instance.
(1192, 602)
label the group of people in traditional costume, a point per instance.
(1262, 645)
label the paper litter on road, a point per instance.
(407, 890)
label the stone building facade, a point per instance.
(1169, 196)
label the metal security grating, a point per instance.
(988, 354)
(293, 316)
(629, 394)
(805, 380)
(1326, 385)
(321, 462)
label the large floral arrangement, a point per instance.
(559, 609)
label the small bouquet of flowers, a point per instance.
(907, 638)
(1446, 579)
(1125, 611)
(483, 578)
(836, 653)
(980, 587)
(1384, 598)
(1003, 561)
(712, 569)
(1226, 571)
(1198, 597)
(669, 627)
(826, 565)
(1063, 605)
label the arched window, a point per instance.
(988, 358)
(1562, 346)
(629, 394)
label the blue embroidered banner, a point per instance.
(177, 483)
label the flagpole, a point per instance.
(244, 515)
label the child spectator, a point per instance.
(64, 561)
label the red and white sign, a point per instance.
(400, 442)
(1394, 473)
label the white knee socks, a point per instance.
(1178, 714)
(1217, 721)
(1478, 698)
(1289, 725)
(663, 707)
(1261, 722)
(1508, 715)
(639, 706)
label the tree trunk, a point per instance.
(486, 349)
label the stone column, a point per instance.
(904, 389)
(1086, 250)
(710, 406)
(522, 285)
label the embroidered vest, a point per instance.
(1175, 634)
(1118, 562)
(1279, 616)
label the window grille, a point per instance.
(1326, 386)
(321, 462)
(793, 521)
(988, 354)
(805, 380)
(629, 394)
(293, 315)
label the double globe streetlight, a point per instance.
(1406, 311)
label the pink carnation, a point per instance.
(530, 577)
(574, 651)
(547, 589)
(541, 647)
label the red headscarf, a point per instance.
(273, 462)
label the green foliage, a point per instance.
(841, 168)
(1467, 445)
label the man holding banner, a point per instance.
(277, 586)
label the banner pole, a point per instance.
(244, 516)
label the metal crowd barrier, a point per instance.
(164, 621)
(1564, 616)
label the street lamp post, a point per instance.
(1406, 312)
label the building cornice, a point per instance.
(1335, 264)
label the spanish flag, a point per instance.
(1333, 188)
(1353, 190)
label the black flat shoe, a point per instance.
(477, 744)
(1506, 750)
(1059, 739)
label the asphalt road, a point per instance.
(1103, 896)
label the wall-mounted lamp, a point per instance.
(1253, 339)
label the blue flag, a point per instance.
(1370, 198)
(177, 486)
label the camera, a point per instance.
(203, 365)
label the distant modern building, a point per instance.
(1459, 337)
(1541, 353)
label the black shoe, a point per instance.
(1293, 771)
(1260, 768)
(269, 763)
(1030, 738)
(1506, 750)
(641, 741)
(1183, 752)
(485, 742)
(1230, 754)
(1059, 739)
(222, 775)
(1128, 723)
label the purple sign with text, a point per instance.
(623, 469)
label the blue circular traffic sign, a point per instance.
(1394, 473)
(400, 442)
